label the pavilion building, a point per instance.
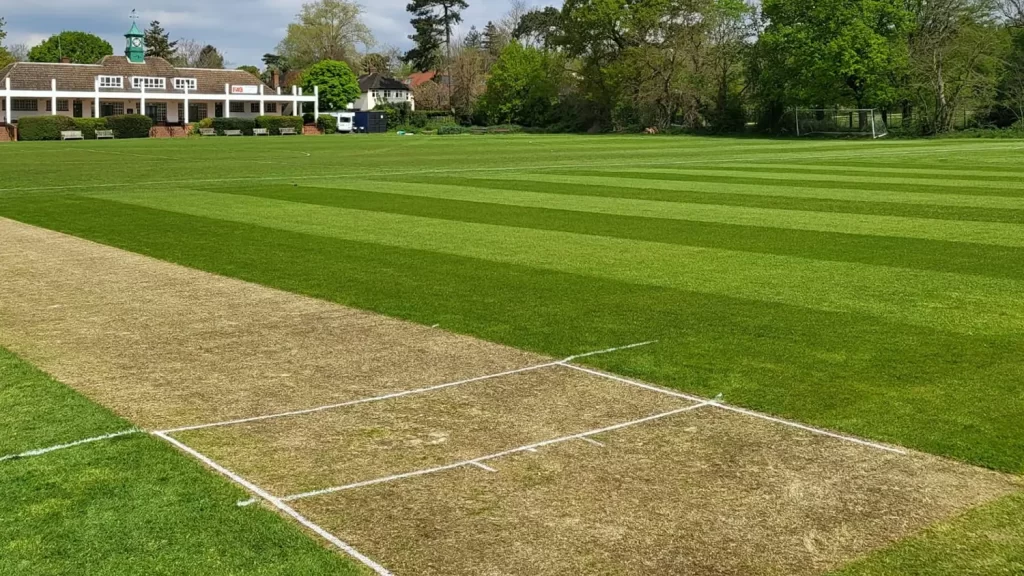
(134, 84)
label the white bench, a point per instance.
(207, 132)
(72, 135)
(287, 132)
(260, 132)
(104, 134)
(232, 132)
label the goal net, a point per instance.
(840, 121)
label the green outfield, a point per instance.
(874, 288)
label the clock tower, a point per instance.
(135, 48)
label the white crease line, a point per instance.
(592, 441)
(483, 466)
(716, 403)
(380, 570)
(244, 503)
(403, 393)
(478, 461)
(41, 451)
(838, 155)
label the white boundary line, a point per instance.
(744, 411)
(41, 451)
(479, 461)
(551, 364)
(277, 503)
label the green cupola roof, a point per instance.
(135, 47)
(135, 30)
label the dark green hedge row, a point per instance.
(35, 128)
(244, 124)
(327, 124)
(89, 126)
(275, 123)
(129, 126)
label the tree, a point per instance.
(494, 40)
(339, 86)
(426, 52)
(473, 38)
(387, 61)
(5, 56)
(80, 47)
(193, 54)
(437, 17)
(429, 96)
(3, 33)
(539, 28)
(210, 57)
(252, 70)
(325, 30)
(158, 42)
(523, 87)
(468, 78)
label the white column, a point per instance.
(316, 103)
(53, 97)
(142, 101)
(184, 121)
(8, 113)
(262, 92)
(96, 99)
(295, 101)
(227, 103)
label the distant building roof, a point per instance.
(376, 81)
(419, 78)
(82, 77)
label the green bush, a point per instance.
(129, 126)
(89, 126)
(244, 124)
(275, 123)
(327, 124)
(206, 123)
(452, 129)
(44, 127)
(308, 118)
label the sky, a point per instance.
(243, 30)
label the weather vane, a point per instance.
(134, 15)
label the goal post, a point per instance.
(840, 122)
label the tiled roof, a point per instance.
(81, 77)
(378, 82)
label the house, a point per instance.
(134, 84)
(378, 89)
(417, 79)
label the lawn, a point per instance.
(872, 287)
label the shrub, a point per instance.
(130, 126)
(308, 118)
(244, 124)
(327, 124)
(44, 127)
(89, 126)
(275, 123)
(206, 123)
(452, 129)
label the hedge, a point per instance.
(129, 126)
(44, 127)
(327, 124)
(244, 124)
(452, 129)
(275, 123)
(89, 126)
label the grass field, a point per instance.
(875, 288)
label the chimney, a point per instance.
(65, 60)
(275, 78)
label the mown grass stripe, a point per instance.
(455, 203)
(933, 390)
(908, 173)
(950, 301)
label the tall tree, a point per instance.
(193, 54)
(158, 42)
(325, 30)
(80, 47)
(442, 15)
(5, 56)
(252, 70)
(338, 85)
(3, 33)
(210, 57)
(539, 28)
(425, 55)
(494, 40)
(473, 39)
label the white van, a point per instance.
(345, 121)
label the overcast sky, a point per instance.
(243, 29)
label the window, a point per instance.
(24, 105)
(157, 111)
(62, 106)
(111, 109)
(183, 83)
(254, 107)
(148, 82)
(270, 108)
(196, 112)
(237, 107)
(111, 82)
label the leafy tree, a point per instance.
(325, 30)
(5, 56)
(826, 52)
(3, 33)
(210, 57)
(540, 28)
(80, 47)
(252, 70)
(426, 52)
(523, 87)
(377, 63)
(339, 86)
(436, 17)
(494, 40)
(158, 42)
(473, 38)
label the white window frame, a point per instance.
(150, 82)
(237, 107)
(21, 105)
(182, 83)
(110, 81)
(270, 108)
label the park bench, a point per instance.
(104, 134)
(207, 132)
(72, 135)
(260, 132)
(232, 132)
(287, 132)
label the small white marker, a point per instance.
(534, 450)
(592, 441)
(483, 466)
(244, 503)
